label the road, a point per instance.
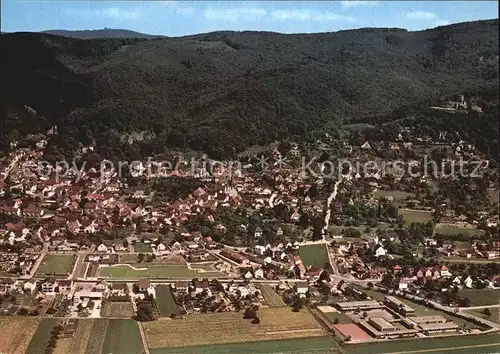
(33, 270)
(78, 264)
(328, 208)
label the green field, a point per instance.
(474, 344)
(165, 301)
(273, 299)
(410, 216)
(300, 345)
(123, 337)
(396, 195)
(314, 255)
(42, 336)
(481, 297)
(494, 314)
(331, 316)
(454, 230)
(56, 264)
(154, 270)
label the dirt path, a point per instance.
(143, 337)
(442, 350)
(297, 331)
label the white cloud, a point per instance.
(108, 13)
(307, 15)
(352, 3)
(243, 13)
(421, 15)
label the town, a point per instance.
(265, 254)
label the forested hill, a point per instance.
(221, 92)
(101, 33)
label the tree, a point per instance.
(336, 321)
(487, 312)
(140, 257)
(145, 312)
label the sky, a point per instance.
(177, 18)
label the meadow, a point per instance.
(481, 297)
(165, 301)
(273, 299)
(314, 255)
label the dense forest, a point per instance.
(224, 91)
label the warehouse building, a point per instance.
(359, 305)
(398, 305)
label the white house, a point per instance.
(161, 247)
(259, 249)
(258, 232)
(301, 287)
(49, 287)
(30, 286)
(468, 282)
(259, 273)
(445, 272)
(380, 251)
(102, 248)
(248, 275)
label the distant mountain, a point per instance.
(221, 92)
(101, 33)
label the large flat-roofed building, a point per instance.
(359, 305)
(395, 332)
(398, 305)
(381, 324)
(439, 327)
(428, 319)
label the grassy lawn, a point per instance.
(494, 314)
(452, 229)
(56, 264)
(314, 255)
(41, 337)
(416, 345)
(123, 336)
(331, 316)
(493, 195)
(302, 345)
(410, 216)
(396, 195)
(481, 297)
(143, 247)
(165, 301)
(154, 270)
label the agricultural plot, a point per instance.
(97, 335)
(487, 343)
(56, 264)
(123, 337)
(230, 327)
(481, 297)
(117, 309)
(314, 255)
(78, 343)
(312, 345)
(41, 337)
(153, 270)
(16, 333)
(411, 215)
(272, 298)
(165, 301)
